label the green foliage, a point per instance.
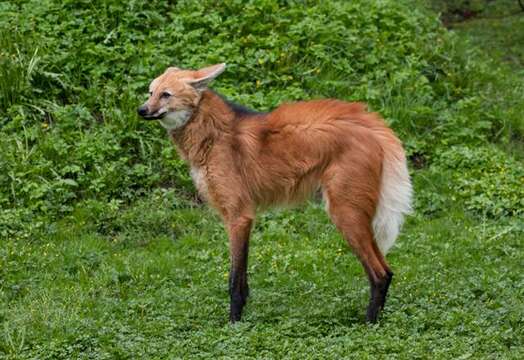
(74, 73)
(16, 69)
(487, 181)
(105, 254)
(482, 180)
(497, 36)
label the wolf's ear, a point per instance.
(204, 76)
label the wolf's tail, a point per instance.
(395, 197)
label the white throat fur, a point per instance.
(175, 119)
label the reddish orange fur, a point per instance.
(250, 161)
(282, 157)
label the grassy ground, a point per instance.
(76, 294)
(500, 38)
(500, 34)
(148, 278)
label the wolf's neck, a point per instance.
(210, 122)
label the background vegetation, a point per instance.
(106, 252)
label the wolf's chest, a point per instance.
(198, 175)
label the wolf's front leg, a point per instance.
(239, 230)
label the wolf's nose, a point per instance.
(142, 110)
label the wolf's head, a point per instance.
(174, 95)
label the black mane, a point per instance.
(238, 109)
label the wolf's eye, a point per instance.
(165, 95)
(150, 93)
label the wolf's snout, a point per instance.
(143, 110)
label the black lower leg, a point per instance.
(379, 290)
(238, 287)
(237, 300)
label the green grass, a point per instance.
(500, 38)
(77, 293)
(104, 254)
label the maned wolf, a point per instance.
(242, 160)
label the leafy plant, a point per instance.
(485, 180)
(68, 106)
